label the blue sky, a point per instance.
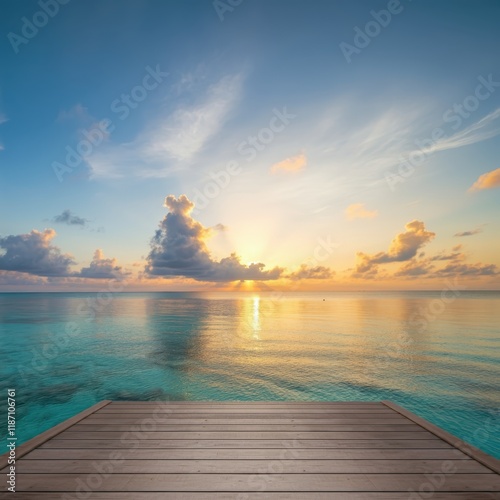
(326, 166)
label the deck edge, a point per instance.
(480, 456)
(45, 436)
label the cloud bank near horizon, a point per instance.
(406, 248)
(178, 250)
(34, 254)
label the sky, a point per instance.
(249, 145)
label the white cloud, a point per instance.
(189, 128)
(477, 132)
(3, 119)
(171, 143)
(387, 137)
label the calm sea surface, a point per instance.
(438, 357)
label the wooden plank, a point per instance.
(245, 411)
(406, 427)
(248, 453)
(285, 466)
(244, 443)
(255, 418)
(306, 405)
(260, 404)
(467, 448)
(146, 404)
(264, 416)
(268, 495)
(249, 482)
(277, 404)
(247, 435)
(354, 449)
(51, 433)
(254, 403)
(106, 422)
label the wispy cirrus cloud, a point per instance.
(483, 129)
(171, 143)
(390, 136)
(3, 119)
(183, 134)
(378, 142)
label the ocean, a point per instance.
(435, 353)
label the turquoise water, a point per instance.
(437, 355)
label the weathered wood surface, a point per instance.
(252, 451)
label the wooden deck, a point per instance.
(249, 451)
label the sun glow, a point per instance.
(256, 317)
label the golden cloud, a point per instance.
(358, 211)
(292, 164)
(403, 247)
(488, 180)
